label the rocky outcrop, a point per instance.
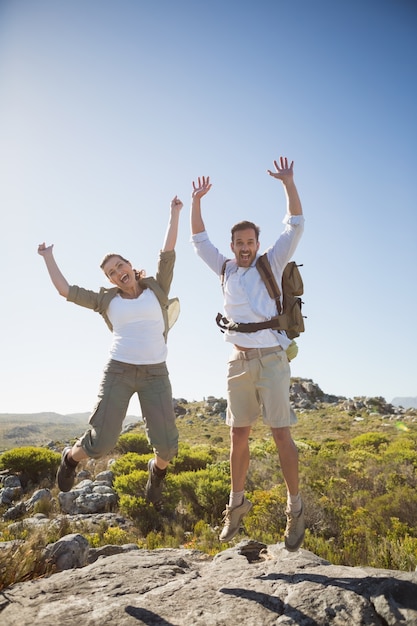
(248, 584)
(87, 497)
(306, 395)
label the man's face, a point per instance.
(245, 246)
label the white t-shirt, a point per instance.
(138, 329)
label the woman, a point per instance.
(136, 311)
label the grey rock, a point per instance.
(40, 494)
(103, 488)
(15, 512)
(89, 496)
(12, 481)
(92, 523)
(66, 501)
(106, 477)
(83, 475)
(247, 584)
(7, 546)
(109, 550)
(95, 502)
(83, 486)
(68, 552)
(8, 494)
(35, 522)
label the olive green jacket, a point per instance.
(160, 285)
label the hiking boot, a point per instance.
(153, 489)
(65, 475)
(232, 518)
(294, 532)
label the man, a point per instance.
(258, 376)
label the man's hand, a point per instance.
(283, 172)
(202, 187)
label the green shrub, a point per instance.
(131, 484)
(134, 483)
(266, 520)
(332, 449)
(154, 540)
(192, 458)
(212, 493)
(130, 462)
(262, 449)
(145, 516)
(400, 503)
(196, 495)
(374, 441)
(133, 442)
(116, 536)
(402, 450)
(30, 463)
(205, 538)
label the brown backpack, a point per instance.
(289, 316)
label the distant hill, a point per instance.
(44, 418)
(406, 403)
(38, 429)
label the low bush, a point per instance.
(30, 463)
(133, 442)
(130, 462)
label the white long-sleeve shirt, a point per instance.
(246, 298)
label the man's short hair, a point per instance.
(244, 226)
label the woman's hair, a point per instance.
(244, 226)
(139, 273)
(110, 256)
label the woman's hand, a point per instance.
(43, 250)
(176, 204)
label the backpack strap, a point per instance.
(223, 272)
(264, 268)
(247, 327)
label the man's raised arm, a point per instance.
(285, 174)
(200, 188)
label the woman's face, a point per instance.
(120, 273)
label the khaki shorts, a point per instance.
(258, 382)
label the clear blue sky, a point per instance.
(108, 109)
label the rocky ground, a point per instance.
(248, 584)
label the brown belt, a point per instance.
(255, 353)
